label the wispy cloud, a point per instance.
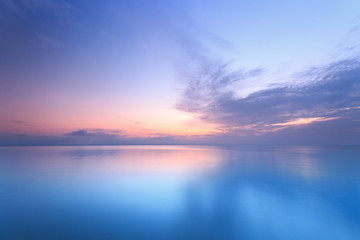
(208, 79)
(88, 137)
(22, 123)
(303, 121)
(325, 94)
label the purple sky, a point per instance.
(179, 72)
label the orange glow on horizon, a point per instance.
(141, 123)
(303, 121)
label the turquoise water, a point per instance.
(179, 192)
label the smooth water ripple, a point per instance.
(179, 192)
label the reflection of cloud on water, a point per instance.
(274, 216)
(264, 195)
(188, 192)
(303, 165)
(148, 159)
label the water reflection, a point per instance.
(179, 192)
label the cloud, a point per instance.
(207, 79)
(78, 133)
(22, 123)
(95, 136)
(325, 100)
(87, 137)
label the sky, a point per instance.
(179, 72)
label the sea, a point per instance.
(180, 192)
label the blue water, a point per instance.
(179, 192)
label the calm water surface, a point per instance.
(179, 192)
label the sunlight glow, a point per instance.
(303, 121)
